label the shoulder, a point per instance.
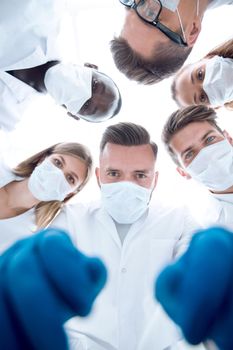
(81, 209)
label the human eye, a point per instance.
(70, 179)
(202, 97)
(200, 74)
(86, 105)
(94, 85)
(188, 155)
(57, 162)
(141, 175)
(210, 139)
(113, 173)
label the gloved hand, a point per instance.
(197, 290)
(44, 281)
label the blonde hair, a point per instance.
(47, 211)
(224, 50)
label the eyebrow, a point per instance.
(146, 171)
(71, 172)
(111, 169)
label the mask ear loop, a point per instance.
(181, 26)
(198, 2)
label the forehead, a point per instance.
(127, 157)
(191, 134)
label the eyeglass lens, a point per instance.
(148, 9)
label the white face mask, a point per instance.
(170, 4)
(48, 183)
(213, 166)
(125, 202)
(218, 81)
(69, 85)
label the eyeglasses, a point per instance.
(149, 11)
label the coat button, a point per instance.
(123, 270)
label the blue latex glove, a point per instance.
(44, 281)
(197, 290)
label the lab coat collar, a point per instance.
(19, 89)
(107, 221)
(224, 197)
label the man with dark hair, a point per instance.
(158, 36)
(133, 238)
(204, 152)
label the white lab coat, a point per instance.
(15, 96)
(20, 226)
(28, 38)
(214, 210)
(124, 309)
(28, 32)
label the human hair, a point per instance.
(127, 134)
(45, 212)
(224, 50)
(166, 60)
(183, 117)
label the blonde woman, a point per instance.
(208, 81)
(33, 193)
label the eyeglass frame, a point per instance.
(176, 38)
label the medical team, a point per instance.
(134, 234)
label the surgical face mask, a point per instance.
(69, 85)
(170, 4)
(218, 81)
(125, 202)
(48, 183)
(213, 166)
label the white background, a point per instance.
(85, 35)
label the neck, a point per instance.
(34, 76)
(19, 198)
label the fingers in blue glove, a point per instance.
(192, 290)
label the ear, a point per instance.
(193, 32)
(183, 173)
(97, 174)
(156, 179)
(91, 65)
(228, 137)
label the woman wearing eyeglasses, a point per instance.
(208, 81)
(33, 193)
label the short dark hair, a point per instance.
(127, 134)
(166, 60)
(183, 117)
